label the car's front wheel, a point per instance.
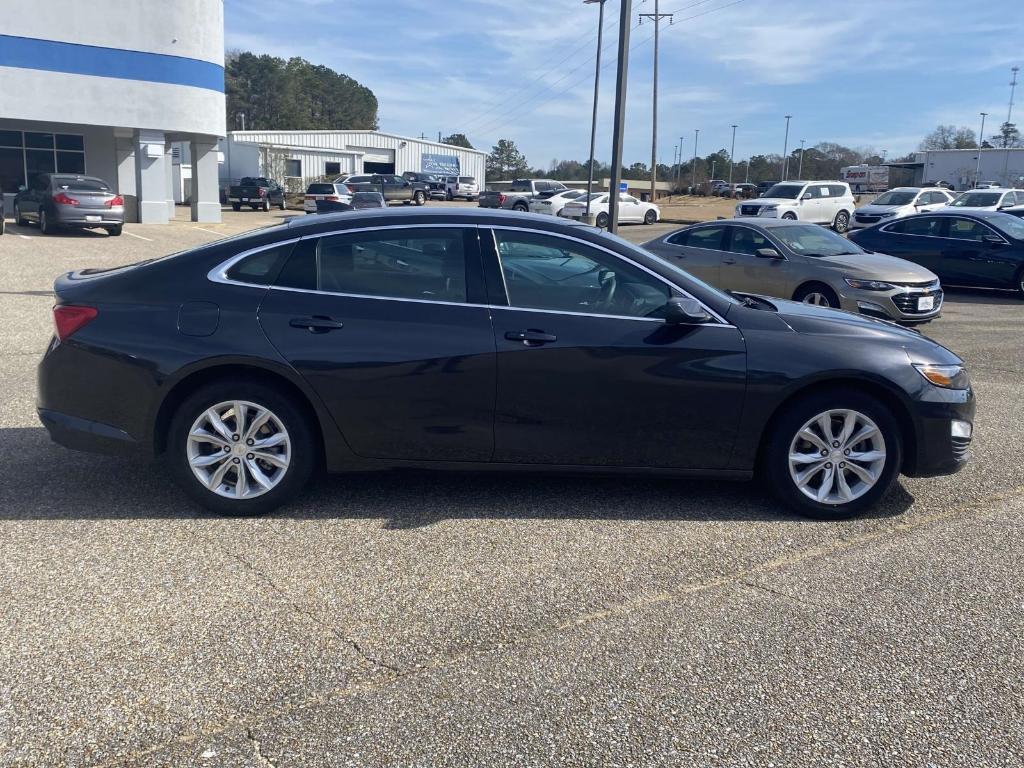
(602, 220)
(45, 226)
(833, 454)
(789, 216)
(818, 294)
(241, 448)
(419, 198)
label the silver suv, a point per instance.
(819, 202)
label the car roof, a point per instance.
(455, 216)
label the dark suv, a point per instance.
(435, 184)
(58, 200)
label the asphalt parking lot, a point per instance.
(452, 620)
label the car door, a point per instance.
(389, 327)
(698, 250)
(630, 209)
(38, 193)
(971, 259)
(821, 204)
(744, 270)
(916, 238)
(587, 372)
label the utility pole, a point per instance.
(241, 116)
(597, 85)
(1009, 116)
(654, 123)
(981, 140)
(785, 150)
(693, 173)
(800, 170)
(619, 122)
(675, 164)
(679, 171)
(732, 151)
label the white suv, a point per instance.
(461, 186)
(819, 202)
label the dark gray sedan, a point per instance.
(58, 200)
(803, 262)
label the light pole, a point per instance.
(981, 140)
(800, 170)
(732, 151)
(693, 173)
(619, 122)
(675, 162)
(597, 85)
(785, 149)
(713, 163)
(679, 171)
(1009, 116)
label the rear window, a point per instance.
(320, 189)
(81, 182)
(252, 181)
(358, 179)
(262, 267)
(467, 180)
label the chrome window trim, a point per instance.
(783, 250)
(611, 253)
(219, 273)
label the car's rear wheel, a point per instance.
(45, 226)
(818, 294)
(266, 204)
(18, 218)
(115, 231)
(236, 206)
(240, 448)
(841, 222)
(833, 454)
(522, 207)
(283, 205)
(1020, 282)
(602, 220)
(650, 217)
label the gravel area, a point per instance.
(416, 619)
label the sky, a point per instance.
(864, 73)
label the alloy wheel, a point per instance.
(817, 298)
(238, 449)
(837, 456)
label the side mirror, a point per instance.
(992, 240)
(806, 196)
(685, 311)
(22, 188)
(767, 253)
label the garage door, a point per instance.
(376, 155)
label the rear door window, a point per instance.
(925, 226)
(705, 237)
(262, 267)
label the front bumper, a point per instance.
(901, 304)
(937, 451)
(757, 211)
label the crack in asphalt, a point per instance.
(739, 578)
(261, 759)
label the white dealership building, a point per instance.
(960, 166)
(114, 89)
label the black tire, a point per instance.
(3, 223)
(45, 227)
(236, 206)
(283, 204)
(602, 220)
(448, 196)
(419, 197)
(18, 219)
(775, 465)
(650, 217)
(266, 204)
(115, 231)
(842, 222)
(521, 207)
(304, 449)
(789, 216)
(804, 292)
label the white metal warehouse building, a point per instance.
(295, 158)
(959, 167)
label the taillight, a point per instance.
(62, 199)
(115, 202)
(501, 199)
(310, 197)
(263, 192)
(331, 197)
(68, 318)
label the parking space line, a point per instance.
(140, 237)
(24, 237)
(203, 229)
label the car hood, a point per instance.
(821, 321)
(770, 201)
(879, 266)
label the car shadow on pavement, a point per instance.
(44, 481)
(983, 296)
(71, 232)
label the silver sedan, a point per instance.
(803, 262)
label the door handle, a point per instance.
(316, 324)
(531, 338)
(728, 261)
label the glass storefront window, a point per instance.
(26, 154)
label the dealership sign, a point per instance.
(445, 165)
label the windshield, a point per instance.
(895, 197)
(788, 191)
(1009, 225)
(976, 199)
(812, 240)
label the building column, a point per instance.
(169, 171)
(151, 177)
(124, 154)
(205, 189)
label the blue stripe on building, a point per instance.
(77, 59)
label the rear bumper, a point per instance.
(69, 216)
(84, 435)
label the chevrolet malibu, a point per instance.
(475, 339)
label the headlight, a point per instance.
(738, 208)
(945, 376)
(769, 207)
(868, 285)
